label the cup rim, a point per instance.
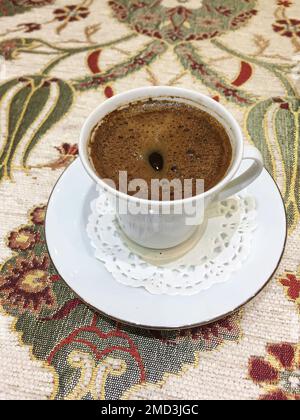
(143, 93)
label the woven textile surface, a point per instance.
(58, 60)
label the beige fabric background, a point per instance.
(270, 318)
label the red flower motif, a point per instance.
(71, 13)
(292, 283)
(67, 153)
(275, 396)
(38, 215)
(23, 239)
(67, 149)
(29, 27)
(279, 373)
(26, 285)
(284, 3)
(262, 372)
(9, 49)
(284, 353)
(287, 27)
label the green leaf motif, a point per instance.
(6, 86)
(256, 128)
(192, 61)
(62, 104)
(73, 339)
(297, 178)
(273, 125)
(287, 127)
(27, 104)
(135, 63)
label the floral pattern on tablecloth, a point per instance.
(76, 341)
(58, 60)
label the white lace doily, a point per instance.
(219, 249)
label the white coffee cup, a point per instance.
(163, 227)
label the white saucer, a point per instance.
(73, 257)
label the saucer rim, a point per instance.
(164, 328)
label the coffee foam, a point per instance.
(192, 143)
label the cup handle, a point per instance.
(250, 175)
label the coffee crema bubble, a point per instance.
(156, 160)
(161, 139)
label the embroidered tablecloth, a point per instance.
(58, 60)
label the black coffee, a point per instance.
(161, 139)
